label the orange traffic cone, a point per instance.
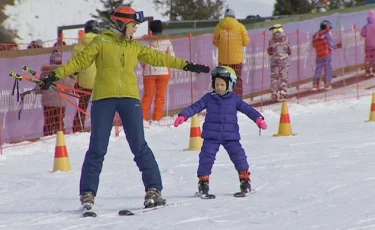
(372, 108)
(285, 129)
(196, 142)
(61, 162)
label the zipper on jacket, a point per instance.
(121, 69)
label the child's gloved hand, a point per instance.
(179, 120)
(261, 123)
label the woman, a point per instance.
(116, 55)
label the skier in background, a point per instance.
(230, 36)
(221, 127)
(368, 32)
(85, 78)
(116, 55)
(156, 79)
(279, 51)
(323, 44)
(54, 107)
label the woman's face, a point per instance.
(131, 28)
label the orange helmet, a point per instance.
(123, 15)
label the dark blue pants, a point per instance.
(207, 155)
(102, 115)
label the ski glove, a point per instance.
(49, 80)
(179, 120)
(339, 45)
(261, 123)
(196, 68)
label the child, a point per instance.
(279, 51)
(221, 127)
(54, 106)
(368, 32)
(323, 44)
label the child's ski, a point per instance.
(242, 194)
(206, 196)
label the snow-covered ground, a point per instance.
(322, 178)
(39, 19)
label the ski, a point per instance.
(206, 196)
(87, 211)
(127, 212)
(242, 194)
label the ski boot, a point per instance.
(274, 97)
(153, 198)
(204, 187)
(87, 200)
(284, 96)
(315, 85)
(245, 183)
(327, 86)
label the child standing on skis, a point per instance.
(368, 32)
(323, 44)
(279, 51)
(221, 127)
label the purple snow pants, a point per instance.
(210, 147)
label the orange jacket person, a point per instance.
(156, 79)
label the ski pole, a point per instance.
(56, 87)
(39, 82)
(32, 72)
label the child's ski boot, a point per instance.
(204, 188)
(245, 184)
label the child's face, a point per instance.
(220, 86)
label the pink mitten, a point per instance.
(261, 123)
(179, 120)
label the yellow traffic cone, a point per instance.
(285, 128)
(372, 108)
(61, 162)
(196, 142)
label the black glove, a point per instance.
(49, 80)
(196, 68)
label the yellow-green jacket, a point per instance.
(116, 59)
(230, 52)
(86, 77)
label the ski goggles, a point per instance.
(138, 17)
(220, 71)
(275, 29)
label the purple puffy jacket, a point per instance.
(221, 121)
(368, 31)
